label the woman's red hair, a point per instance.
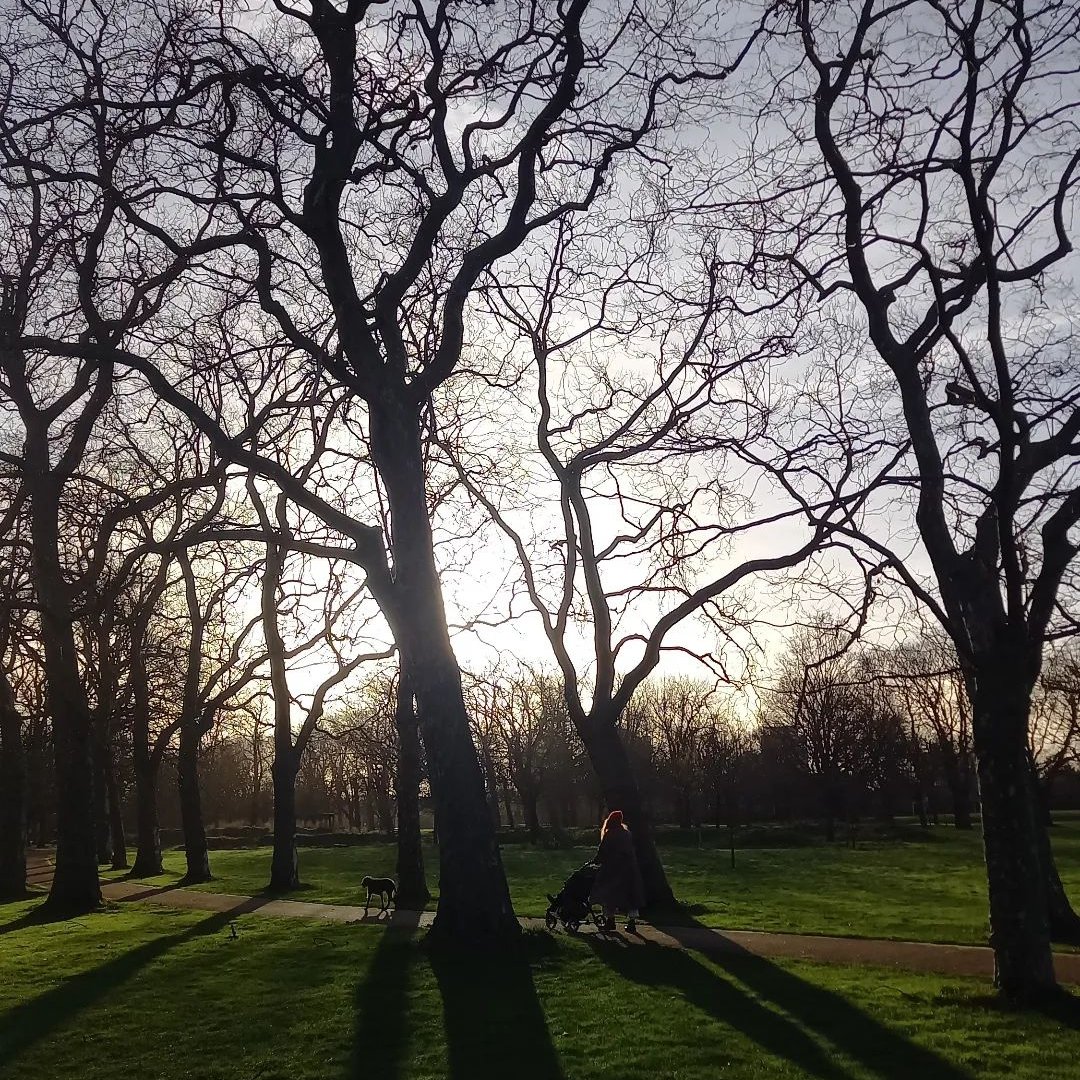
(613, 819)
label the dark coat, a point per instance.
(618, 885)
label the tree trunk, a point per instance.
(146, 759)
(12, 798)
(961, 797)
(147, 834)
(686, 813)
(75, 888)
(1063, 920)
(530, 811)
(474, 900)
(492, 785)
(1019, 929)
(101, 797)
(284, 865)
(621, 792)
(411, 882)
(191, 815)
(958, 777)
(117, 839)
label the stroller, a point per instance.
(570, 905)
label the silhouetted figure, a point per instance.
(618, 885)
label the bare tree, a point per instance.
(928, 172)
(278, 592)
(928, 684)
(1055, 719)
(353, 171)
(655, 467)
(679, 715)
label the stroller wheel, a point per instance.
(552, 920)
(574, 926)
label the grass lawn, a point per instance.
(928, 886)
(163, 995)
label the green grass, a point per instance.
(164, 995)
(930, 886)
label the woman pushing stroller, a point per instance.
(618, 885)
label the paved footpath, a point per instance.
(971, 960)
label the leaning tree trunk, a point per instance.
(412, 884)
(12, 798)
(191, 815)
(284, 864)
(474, 900)
(75, 887)
(1019, 927)
(619, 786)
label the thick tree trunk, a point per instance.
(1019, 928)
(284, 865)
(412, 884)
(12, 798)
(474, 900)
(611, 763)
(191, 815)
(75, 888)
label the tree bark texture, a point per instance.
(75, 888)
(284, 864)
(1019, 925)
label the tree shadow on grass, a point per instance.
(30, 1021)
(381, 1035)
(799, 1008)
(494, 1022)
(659, 965)
(879, 1048)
